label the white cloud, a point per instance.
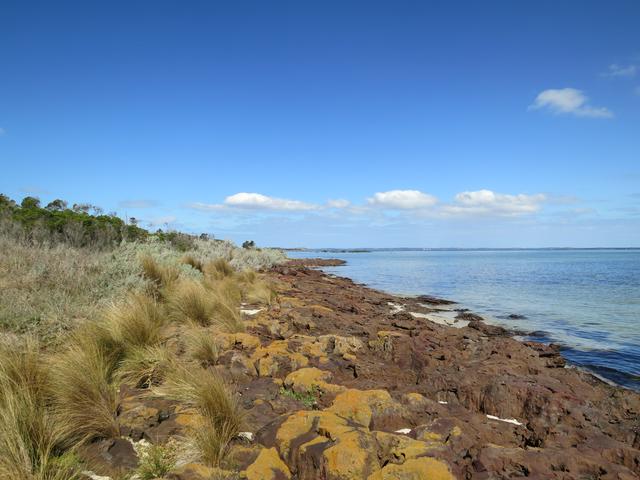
(339, 203)
(616, 70)
(402, 199)
(2, 131)
(263, 202)
(568, 101)
(486, 202)
(255, 201)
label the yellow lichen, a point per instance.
(268, 466)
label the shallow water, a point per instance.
(586, 300)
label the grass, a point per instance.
(102, 319)
(30, 434)
(190, 259)
(84, 393)
(145, 366)
(218, 269)
(49, 290)
(202, 347)
(135, 322)
(190, 301)
(220, 415)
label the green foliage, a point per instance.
(249, 244)
(58, 224)
(309, 399)
(156, 461)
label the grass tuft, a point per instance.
(136, 322)
(84, 395)
(30, 435)
(161, 276)
(221, 416)
(189, 301)
(189, 259)
(202, 347)
(145, 366)
(218, 269)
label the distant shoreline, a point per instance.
(449, 249)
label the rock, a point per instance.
(515, 316)
(433, 300)
(323, 443)
(197, 471)
(365, 407)
(268, 466)
(415, 469)
(277, 360)
(470, 317)
(310, 378)
(489, 330)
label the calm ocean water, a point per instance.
(588, 301)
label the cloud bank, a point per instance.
(404, 202)
(402, 199)
(568, 101)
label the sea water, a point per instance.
(588, 301)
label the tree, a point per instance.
(249, 244)
(81, 207)
(133, 221)
(30, 202)
(57, 205)
(6, 201)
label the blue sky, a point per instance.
(432, 124)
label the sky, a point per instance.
(334, 123)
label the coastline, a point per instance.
(512, 404)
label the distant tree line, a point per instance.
(82, 225)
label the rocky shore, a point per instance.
(340, 381)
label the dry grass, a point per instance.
(218, 269)
(145, 366)
(29, 433)
(228, 318)
(202, 347)
(221, 416)
(161, 276)
(135, 322)
(261, 292)
(84, 394)
(189, 259)
(189, 301)
(227, 290)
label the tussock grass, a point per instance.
(189, 301)
(218, 269)
(228, 318)
(145, 366)
(30, 434)
(227, 290)
(260, 292)
(135, 322)
(160, 276)
(221, 416)
(202, 347)
(84, 394)
(190, 259)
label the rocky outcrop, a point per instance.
(339, 381)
